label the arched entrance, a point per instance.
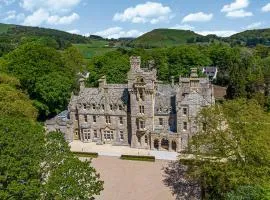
(156, 144)
(165, 144)
(174, 146)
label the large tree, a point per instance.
(231, 151)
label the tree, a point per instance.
(232, 148)
(53, 91)
(64, 175)
(21, 152)
(15, 103)
(47, 75)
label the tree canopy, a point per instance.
(232, 150)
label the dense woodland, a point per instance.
(38, 72)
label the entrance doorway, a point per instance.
(165, 144)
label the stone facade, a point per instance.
(144, 113)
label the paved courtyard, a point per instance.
(131, 180)
(117, 151)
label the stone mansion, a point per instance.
(144, 113)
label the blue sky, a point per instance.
(131, 18)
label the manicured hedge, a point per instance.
(86, 154)
(139, 158)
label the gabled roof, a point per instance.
(194, 98)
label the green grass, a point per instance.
(138, 158)
(4, 27)
(86, 154)
(96, 47)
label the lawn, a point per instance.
(96, 47)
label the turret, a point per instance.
(82, 85)
(135, 63)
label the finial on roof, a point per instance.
(194, 73)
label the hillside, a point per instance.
(251, 37)
(172, 37)
(13, 35)
(165, 38)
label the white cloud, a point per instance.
(42, 16)
(225, 33)
(198, 17)
(236, 5)
(12, 15)
(74, 31)
(151, 12)
(55, 6)
(254, 25)
(266, 8)
(117, 32)
(182, 27)
(64, 20)
(50, 12)
(38, 17)
(236, 9)
(239, 14)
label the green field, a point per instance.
(96, 47)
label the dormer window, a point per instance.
(94, 106)
(84, 106)
(111, 107)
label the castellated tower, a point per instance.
(141, 87)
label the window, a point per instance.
(184, 126)
(120, 107)
(76, 116)
(146, 139)
(108, 119)
(108, 135)
(84, 106)
(95, 133)
(161, 121)
(94, 106)
(184, 111)
(111, 106)
(103, 107)
(87, 134)
(121, 135)
(94, 118)
(121, 120)
(141, 109)
(141, 95)
(85, 118)
(76, 132)
(142, 124)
